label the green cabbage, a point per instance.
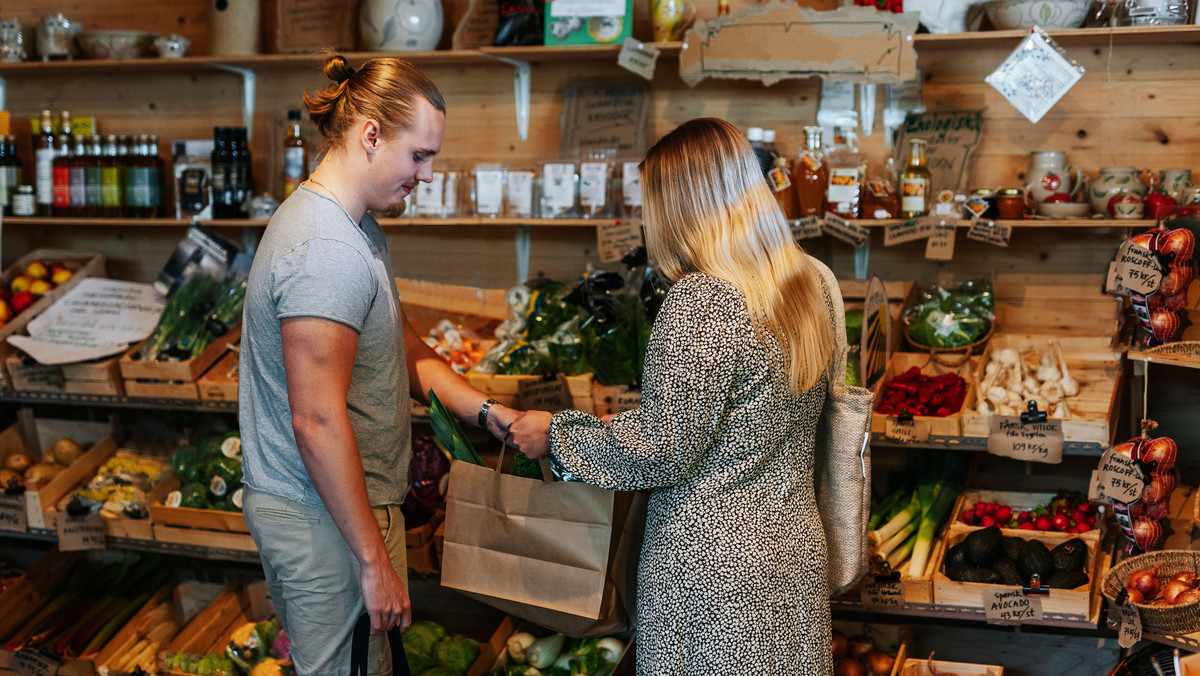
(457, 652)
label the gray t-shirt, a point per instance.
(314, 261)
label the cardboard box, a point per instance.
(306, 26)
(607, 22)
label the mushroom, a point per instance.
(1069, 386)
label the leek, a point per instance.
(910, 512)
(448, 431)
(930, 522)
(901, 553)
(886, 508)
(896, 540)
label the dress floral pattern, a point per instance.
(732, 574)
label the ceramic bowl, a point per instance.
(116, 45)
(1046, 14)
(1065, 209)
(172, 46)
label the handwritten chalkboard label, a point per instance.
(990, 232)
(1119, 478)
(951, 137)
(80, 533)
(1034, 441)
(1128, 622)
(906, 431)
(808, 228)
(638, 57)
(12, 513)
(940, 245)
(535, 394)
(847, 231)
(1134, 270)
(907, 231)
(618, 238)
(883, 595)
(32, 663)
(1011, 606)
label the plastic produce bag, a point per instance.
(947, 318)
(520, 23)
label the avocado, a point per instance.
(1067, 579)
(957, 571)
(965, 572)
(1035, 560)
(1012, 547)
(1069, 556)
(1006, 570)
(956, 555)
(984, 545)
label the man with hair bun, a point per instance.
(328, 362)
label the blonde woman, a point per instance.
(732, 574)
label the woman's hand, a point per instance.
(531, 434)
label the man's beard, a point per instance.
(393, 211)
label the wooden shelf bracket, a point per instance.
(521, 80)
(249, 87)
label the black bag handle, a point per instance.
(359, 647)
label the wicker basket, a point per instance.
(1185, 348)
(952, 357)
(1181, 619)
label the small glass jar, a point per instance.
(1010, 204)
(23, 201)
(982, 203)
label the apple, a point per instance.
(36, 270)
(21, 300)
(39, 287)
(1159, 205)
(1059, 197)
(20, 283)
(6, 312)
(60, 275)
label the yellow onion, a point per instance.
(1185, 576)
(839, 646)
(878, 663)
(1172, 590)
(859, 646)
(848, 666)
(1145, 582)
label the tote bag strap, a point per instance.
(360, 642)
(837, 315)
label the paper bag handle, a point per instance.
(547, 472)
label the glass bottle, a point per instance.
(7, 184)
(811, 176)
(843, 197)
(222, 190)
(64, 123)
(243, 184)
(137, 178)
(155, 165)
(110, 179)
(62, 177)
(295, 156)
(91, 178)
(78, 177)
(123, 159)
(44, 154)
(755, 136)
(915, 182)
(781, 184)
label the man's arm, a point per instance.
(318, 358)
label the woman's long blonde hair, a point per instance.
(708, 209)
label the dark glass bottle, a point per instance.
(222, 188)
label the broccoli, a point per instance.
(457, 652)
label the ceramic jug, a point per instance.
(1114, 181)
(1173, 182)
(56, 36)
(1050, 174)
(400, 25)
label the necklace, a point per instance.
(333, 195)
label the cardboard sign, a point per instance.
(618, 238)
(477, 28)
(990, 232)
(878, 595)
(536, 394)
(778, 41)
(906, 432)
(940, 245)
(808, 228)
(29, 662)
(850, 233)
(80, 533)
(907, 231)
(1134, 270)
(638, 58)
(874, 349)
(12, 513)
(1034, 441)
(1128, 622)
(1011, 606)
(950, 138)
(605, 117)
(625, 398)
(1119, 478)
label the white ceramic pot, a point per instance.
(401, 25)
(1047, 14)
(1049, 174)
(1114, 181)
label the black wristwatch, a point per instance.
(483, 411)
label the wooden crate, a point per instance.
(220, 383)
(917, 589)
(203, 527)
(44, 580)
(420, 552)
(114, 525)
(210, 626)
(40, 433)
(101, 376)
(915, 667)
(427, 303)
(889, 638)
(504, 389)
(1020, 502)
(1075, 603)
(82, 264)
(173, 379)
(149, 625)
(1092, 362)
(947, 426)
(511, 626)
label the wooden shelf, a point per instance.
(95, 222)
(1099, 37)
(1182, 360)
(1032, 223)
(957, 613)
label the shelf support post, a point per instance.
(524, 242)
(249, 87)
(862, 256)
(521, 79)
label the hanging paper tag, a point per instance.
(940, 245)
(1035, 76)
(618, 238)
(27, 662)
(12, 513)
(1135, 270)
(1033, 441)
(536, 394)
(638, 57)
(907, 231)
(990, 232)
(1011, 606)
(807, 228)
(878, 595)
(1128, 623)
(1119, 478)
(906, 431)
(850, 233)
(79, 533)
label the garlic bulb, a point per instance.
(1048, 374)
(1069, 385)
(983, 408)
(1007, 356)
(1061, 410)
(1052, 391)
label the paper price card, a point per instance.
(1135, 270)
(850, 233)
(1034, 441)
(807, 228)
(907, 231)
(990, 232)
(940, 245)
(32, 663)
(79, 533)
(638, 57)
(535, 394)
(1120, 478)
(625, 398)
(877, 595)
(12, 513)
(1127, 621)
(907, 431)
(1011, 606)
(618, 238)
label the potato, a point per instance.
(66, 451)
(7, 477)
(18, 462)
(48, 458)
(41, 473)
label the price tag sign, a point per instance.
(536, 394)
(618, 238)
(1034, 441)
(906, 432)
(940, 245)
(1011, 606)
(850, 233)
(626, 398)
(808, 228)
(32, 663)
(638, 57)
(12, 513)
(908, 231)
(990, 232)
(878, 595)
(1128, 623)
(80, 533)
(1134, 270)
(1119, 478)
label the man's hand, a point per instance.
(531, 434)
(385, 598)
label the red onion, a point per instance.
(1170, 479)
(1161, 453)
(1155, 491)
(1147, 533)
(1159, 510)
(1172, 590)
(1145, 582)
(1185, 576)
(1128, 448)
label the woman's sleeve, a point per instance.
(692, 360)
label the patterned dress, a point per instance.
(732, 574)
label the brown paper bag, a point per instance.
(559, 554)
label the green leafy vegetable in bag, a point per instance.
(448, 431)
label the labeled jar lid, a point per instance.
(1011, 192)
(25, 189)
(983, 192)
